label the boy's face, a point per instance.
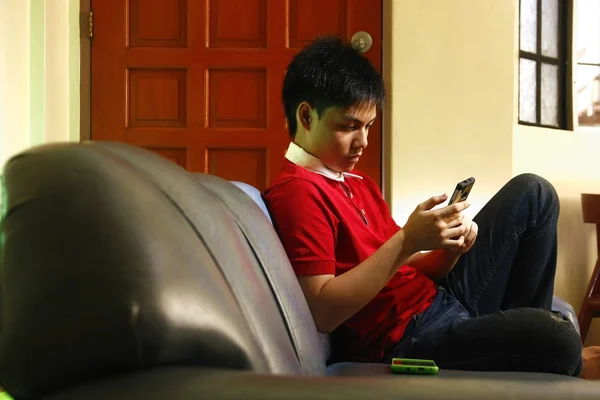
(339, 136)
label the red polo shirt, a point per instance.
(329, 226)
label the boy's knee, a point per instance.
(539, 190)
(558, 340)
(536, 183)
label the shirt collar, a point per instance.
(301, 158)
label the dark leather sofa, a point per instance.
(123, 276)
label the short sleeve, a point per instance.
(306, 226)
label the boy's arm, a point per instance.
(309, 239)
(435, 264)
(332, 300)
(308, 231)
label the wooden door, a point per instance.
(199, 81)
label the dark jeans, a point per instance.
(492, 311)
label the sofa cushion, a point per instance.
(374, 369)
(183, 383)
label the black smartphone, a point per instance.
(462, 190)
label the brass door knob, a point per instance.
(362, 41)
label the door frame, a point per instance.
(85, 72)
(85, 69)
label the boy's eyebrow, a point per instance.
(350, 118)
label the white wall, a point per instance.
(39, 73)
(62, 70)
(452, 94)
(14, 77)
(570, 161)
(57, 70)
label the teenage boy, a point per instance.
(479, 299)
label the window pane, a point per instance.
(588, 31)
(549, 94)
(587, 92)
(528, 25)
(527, 91)
(550, 28)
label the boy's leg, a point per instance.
(522, 339)
(505, 284)
(513, 261)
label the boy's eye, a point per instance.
(349, 127)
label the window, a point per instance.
(587, 57)
(542, 63)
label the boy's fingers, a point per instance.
(454, 208)
(432, 202)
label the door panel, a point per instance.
(157, 98)
(306, 23)
(228, 30)
(199, 81)
(223, 161)
(177, 155)
(157, 23)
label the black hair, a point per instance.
(330, 72)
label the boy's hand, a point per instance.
(428, 229)
(470, 235)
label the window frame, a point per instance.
(575, 10)
(565, 109)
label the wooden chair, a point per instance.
(590, 308)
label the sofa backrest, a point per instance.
(251, 220)
(255, 195)
(111, 261)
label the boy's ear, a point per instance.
(304, 111)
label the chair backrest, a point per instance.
(112, 260)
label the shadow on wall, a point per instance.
(577, 255)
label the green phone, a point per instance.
(413, 366)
